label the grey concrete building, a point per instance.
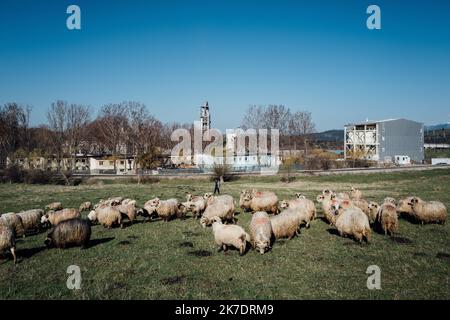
(384, 139)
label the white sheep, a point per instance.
(286, 224)
(7, 240)
(259, 201)
(55, 217)
(221, 206)
(165, 209)
(428, 211)
(261, 231)
(352, 222)
(229, 235)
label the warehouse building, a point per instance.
(384, 140)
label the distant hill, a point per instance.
(437, 127)
(330, 135)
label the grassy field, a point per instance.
(179, 260)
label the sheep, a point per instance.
(390, 200)
(220, 206)
(403, 206)
(128, 209)
(260, 201)
(362, 204)
(387, 218)
(7, 240)
(229, 235)
(108, 216)
(355, 194)
(352, 222)
(197, 207)
(165, 209)
(85, 206)
(54, 206)
(73, 232)
(327, 202)
(285, 224)
(196, 204)
(261, 231)
(305, 208)
(373, 211)
(55, 217)
(31, 219)
(14, 222)
(428, 211)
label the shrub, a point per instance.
(37, 176)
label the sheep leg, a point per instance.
(242, 249)
(13, 252)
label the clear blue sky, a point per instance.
(173, 55)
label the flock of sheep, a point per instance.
(272, 219)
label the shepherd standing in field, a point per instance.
(217, 185)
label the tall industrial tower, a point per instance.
(205, 117)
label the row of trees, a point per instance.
(122, 128)
(296, 128)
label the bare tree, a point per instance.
(14, 130)
(305, 127)
(112, 124)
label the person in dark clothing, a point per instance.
(217, 185)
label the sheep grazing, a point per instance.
(355, 194)
(31, 219)
(305, 208)
(106, 216)
(165, 209)
(14, 222)
(259, 201)
(197, 204)
(373, 211)
(7, 241)
(55, 217)
(229, 236)
(327, 203)
(286, 224)
(85, 206)
(220, 206)
(73, 232)
(54, 206)
(387, 218)
(128, 209)
(428, 211)
(261, 231)
(352, 222)
(403, 206)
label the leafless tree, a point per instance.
(14, 129)
(302, 125)
(113, 128)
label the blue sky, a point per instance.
(174, 55)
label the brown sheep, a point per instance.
(387, 218)
(85, 206)
(55, 206)
(73, 232)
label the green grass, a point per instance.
(179, 260)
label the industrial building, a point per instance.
(383, 140)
